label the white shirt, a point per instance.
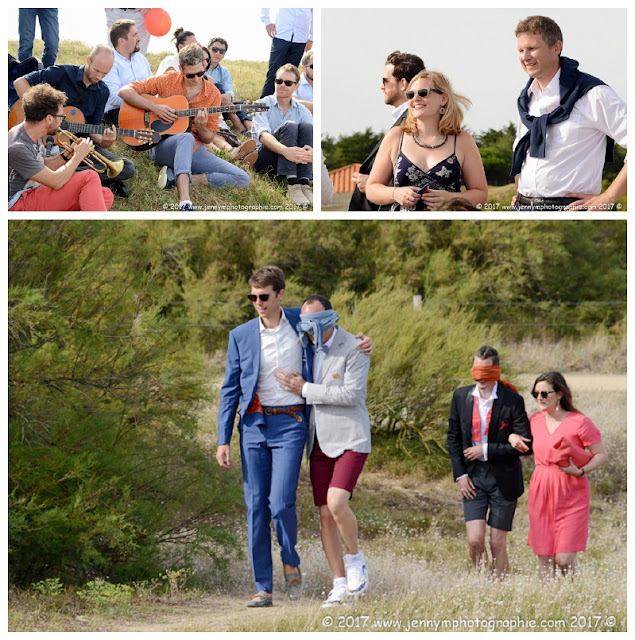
(280, 348)
(576, 148)
(396, 113)
(124, 72)
(484, 407)
(167, 63)
(292, 25)
(304, 90)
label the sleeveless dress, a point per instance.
(447, 173)
(558, 503)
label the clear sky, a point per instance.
(475, 48)
(243, 29)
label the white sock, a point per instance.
(355, 557)
(339, 582)
(183, 202)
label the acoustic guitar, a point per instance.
(136, 117)
(76, 123)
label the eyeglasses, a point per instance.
(62, 116)
(288, 83)
(217, 50)
(543, 394)
(385, 81)
(198, 74)
(423, 93)
(262, 296)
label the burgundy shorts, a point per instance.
(341, 472)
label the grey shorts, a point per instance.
(488, 496)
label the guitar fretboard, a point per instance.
(77, 127)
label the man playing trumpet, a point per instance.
(40, 183)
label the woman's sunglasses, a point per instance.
(423, 93)
(543, 394)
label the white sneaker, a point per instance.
(336, 597)
(356, 574)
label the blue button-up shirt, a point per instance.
(124, 72)
(292, 25)
(222, 79)
(269, 121)
(69, 78)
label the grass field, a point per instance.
(413, 536)
(263, 193)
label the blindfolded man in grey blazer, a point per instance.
(338, 441)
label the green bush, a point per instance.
(107, 474)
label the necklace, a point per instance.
(434, 145)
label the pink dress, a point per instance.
(558, 503)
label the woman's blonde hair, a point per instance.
(452, 119)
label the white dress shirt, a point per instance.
(396, 113)
(576, 148)
(292, 25)
(124, 72)
(484, 407)
(280, 348)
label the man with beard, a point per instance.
(130, 65)
(304, 93)
(399, 70)
(38, 183)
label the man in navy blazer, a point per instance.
(272, 427)
(485, 465)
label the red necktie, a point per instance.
(476, 422)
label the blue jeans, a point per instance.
(282, 52)
(49, 26)
(177, 152)
(271, 451)
(290, 134)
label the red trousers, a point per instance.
(83, 192)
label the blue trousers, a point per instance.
(281, 52)
(271, 450)
(290, 134)
(177, 152)
(49, 26)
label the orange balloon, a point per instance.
(158, 22)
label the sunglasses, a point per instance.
(310, 66)
(198, 74)
(288, 83)
(262, 296)
(423, 93)
(217, 50)
(543, 394)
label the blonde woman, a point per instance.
(423, 163)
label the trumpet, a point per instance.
(113, 167)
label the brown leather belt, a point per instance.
(290, 411)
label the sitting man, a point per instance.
(85, 89)
(222, 78)
(304, 93)
(38, 183)
(130, 65)
(285, 137)
(184, 157)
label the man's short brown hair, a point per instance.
(40, 101)
(291, 68)
(268, 275)
(119, 29)
(546, 27)
(406, 65)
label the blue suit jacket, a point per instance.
(241, 372)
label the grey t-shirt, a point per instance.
(26, 158)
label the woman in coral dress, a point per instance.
(558, 500)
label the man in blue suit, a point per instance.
(272, 427)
